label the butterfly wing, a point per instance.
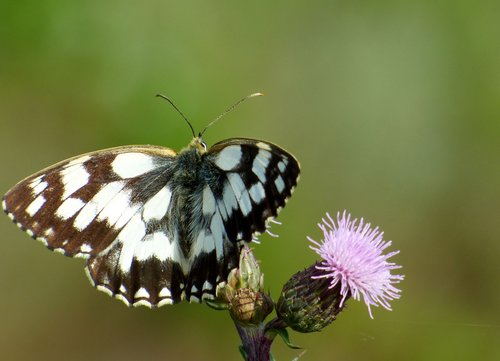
(251, 182)
(98, 206)
(242, 183)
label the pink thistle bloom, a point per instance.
(352, 256)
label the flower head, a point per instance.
(352, 257)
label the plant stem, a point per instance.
(256, 345)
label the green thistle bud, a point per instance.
(307, 304)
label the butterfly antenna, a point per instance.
(231, 108)
(178, 111)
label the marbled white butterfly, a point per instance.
(156, 227)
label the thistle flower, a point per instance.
(352, 256)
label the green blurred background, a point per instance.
(393, 109)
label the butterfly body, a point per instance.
(156, 227)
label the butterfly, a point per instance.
(155, 226)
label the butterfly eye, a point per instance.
(204, 145)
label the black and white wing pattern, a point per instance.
(156, 227)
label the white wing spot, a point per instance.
(130, 235)
(79, 160)
(165, 301)
(165, 292)
(257, 192)
(129, 165)
(69, 208)
(207, 286)
(107, 193)
(120, 297)
(35, 205)
(105, 290)
(217, 228)
(282, 165)
(141, 293)
(263, 156)
(204, 244)
(118, 205)
(157, 206)
(208, 201)
(73, 178)
(59, 250)
(228, 202)
(85, 248)
(42, 240)
(123, 289)
(86, 215)
(229, 157)
(142, 303)
(229, 199)
(280, 184)
(49, 232)
(222, 209)
(263, 145)
(207, 296)
(96, 204)
(35, 181)
(260, 164)
(153, 245)
(87, 272)
(39, 188)
(81, 255)
(127, 213)
(240, 193)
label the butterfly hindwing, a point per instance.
(156, 227)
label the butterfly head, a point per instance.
(199, 144)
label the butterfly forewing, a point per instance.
(78, 205)
(156, 227)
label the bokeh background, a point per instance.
(393, 109)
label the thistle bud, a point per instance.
(244, 291)
(307, 304)
(248, 306)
